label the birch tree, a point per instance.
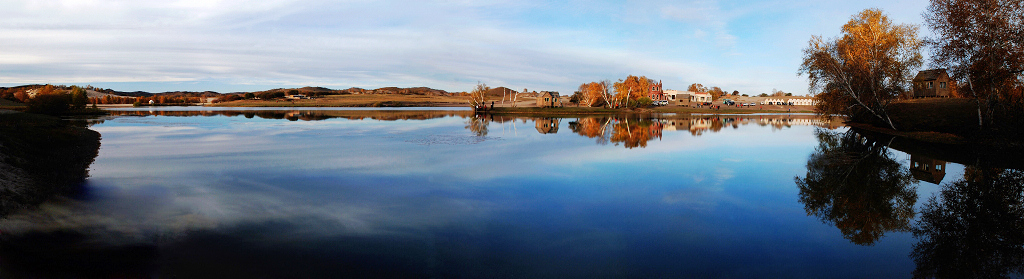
(866, 69)
(981, 42)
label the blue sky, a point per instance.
(228, 46)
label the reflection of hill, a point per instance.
(309, 115)
(41, 156)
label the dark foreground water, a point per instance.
(443, 194)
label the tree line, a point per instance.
(870, 65)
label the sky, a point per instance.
(230, 46)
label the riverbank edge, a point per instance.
(1000, 143)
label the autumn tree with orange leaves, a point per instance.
(860, 73)
(631, 89)
(591, 94)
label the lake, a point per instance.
(300, 193)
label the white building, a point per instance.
(802, 102)
(700, 97)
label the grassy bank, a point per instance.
(943, 120)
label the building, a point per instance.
(933, 83)
(802, 101)
(546, 125)
(771, 101)
(548, 99)
(656, 92)
(677, 96)
(927, 169)
(700, 97)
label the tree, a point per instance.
(979, 41)
(591, 94)
(859, 74)
(632, 88)
(479, 94)
(736, 92)
(716, 92)
(78, 98)
(250, 95)
(52, 104)
(857, 185)
(606, 93)
(696, 87)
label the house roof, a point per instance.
(932, 74)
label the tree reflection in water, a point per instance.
(855, 184)
(974, 228)
(631, 133)
(593, 127)
(478, 125)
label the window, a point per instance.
(938, 167)
(545, 99)
(942, 85)
(930, 85)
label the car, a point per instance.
(752, 104)
(663, 103)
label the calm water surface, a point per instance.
(400, 193)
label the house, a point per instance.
(547, 125)
(933, 83)
(656, 92)
(700, 97)
(548, 99)
(771, 101)
(927, 169)
(296, 96)
(677, 96)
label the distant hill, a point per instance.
(500, 91)
(355, 90)
(309, 90)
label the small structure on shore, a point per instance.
(548, 99)
(933, 83)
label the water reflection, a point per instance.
(634, 131)
(856, 184)
(974, 228)
(40, 157)
(306, 115)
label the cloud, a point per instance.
(703, 15)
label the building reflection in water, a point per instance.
(927, 169)
(547, 125)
